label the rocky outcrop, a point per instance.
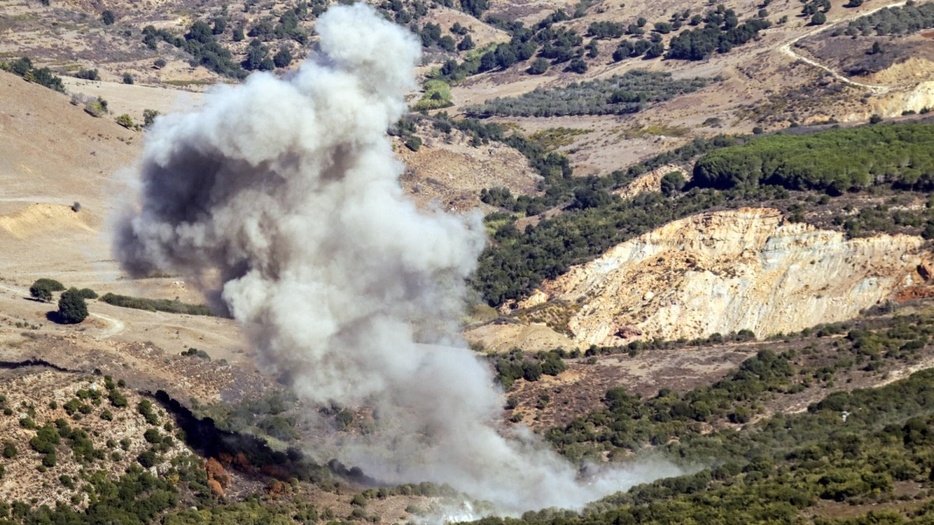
(727, 271)
(649, 182)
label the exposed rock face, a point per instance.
(916, 99)
(733, 270)
(651, 181)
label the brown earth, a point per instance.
(448, 171)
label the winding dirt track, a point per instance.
(788, 49)
(116, 326)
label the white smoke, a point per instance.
(281, 199)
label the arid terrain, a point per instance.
(671, 308)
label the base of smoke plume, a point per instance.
(608, 481)
(384, 451)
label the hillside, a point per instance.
(703, 293)
(731, 271)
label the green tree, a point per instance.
(108, 17)
(672, 182)
(539, 66)
(282, 58)
(466, 44)
(21, 66)
(818, 19)
(40, 293)
(71, 307)
(87, 293)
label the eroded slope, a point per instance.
(728, 271)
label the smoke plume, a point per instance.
(281, 199)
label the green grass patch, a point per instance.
(437, 95)
(553, 138)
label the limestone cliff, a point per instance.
(733, 270)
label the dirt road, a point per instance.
(788, 49)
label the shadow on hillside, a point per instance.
(251, 455)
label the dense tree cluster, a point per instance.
(515, 364)
(606, 30)
(43, 76)
(286, 27)
(201, 44)
(904, 20)
(834, 161)
(627, 93)
(721, 32)
(556, 45)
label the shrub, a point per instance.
(149, 117)
(153, 305)
(145, 408)
(539, 66)
(413, 143)
(282, 58)
(88, 74)
(87, 293)
(147, 459)
(71, 307)
(117, 399)
(96, 108)
(42, 289)
(125, 121)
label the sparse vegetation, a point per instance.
(628, 93)
(42, 76)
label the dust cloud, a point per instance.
(281, 200)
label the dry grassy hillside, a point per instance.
(719, 269)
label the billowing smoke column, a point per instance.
(281, 199)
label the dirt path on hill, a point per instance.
(788, 49)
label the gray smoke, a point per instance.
(281, 199)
